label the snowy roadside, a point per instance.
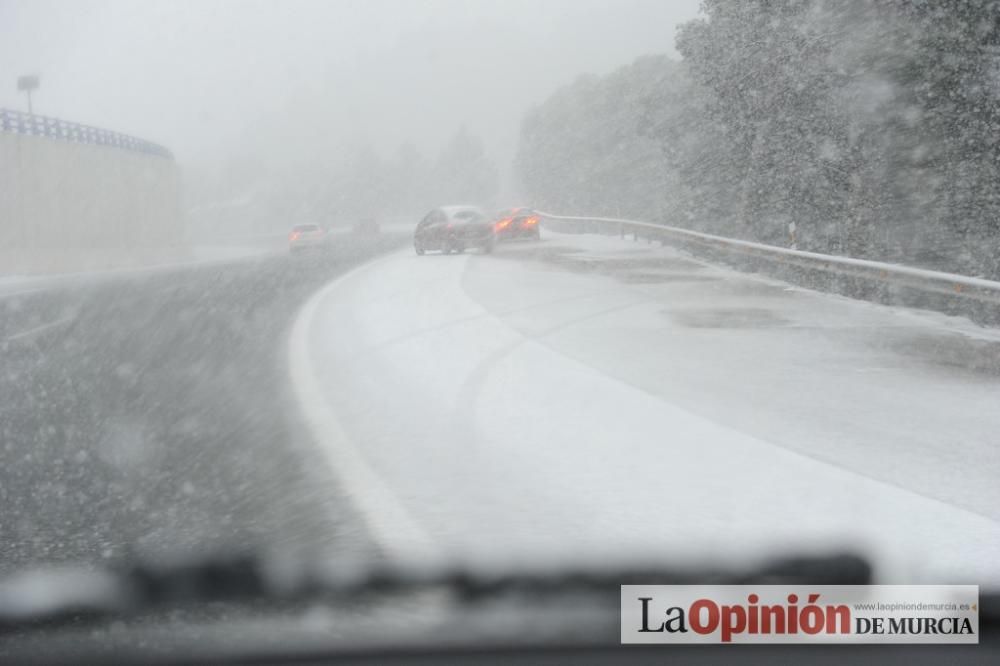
(98, 266)
(514, 408)
(601, 250)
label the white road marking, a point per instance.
(38, 329)
(396, 532)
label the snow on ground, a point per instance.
(587, 397)
(69, 272)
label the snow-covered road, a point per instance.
(587, 397)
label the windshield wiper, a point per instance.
(50, 598)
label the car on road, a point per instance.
(306, 237)
(518, 223)
(454, 229)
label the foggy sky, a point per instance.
(208, 78)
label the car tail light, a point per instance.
(293, 236)
(503, 224)
(531, 221)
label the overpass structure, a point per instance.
(72, 196)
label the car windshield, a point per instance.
(742, 302)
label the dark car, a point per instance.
(518, 223)
(453, 229)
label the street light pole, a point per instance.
(27, 84)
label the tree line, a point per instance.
(868, 129)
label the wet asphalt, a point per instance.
(149, 415)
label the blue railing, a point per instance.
(17, 122)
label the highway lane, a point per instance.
(591, 397)
(147, 414)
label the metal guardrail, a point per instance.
(950, 290)
(17, 122)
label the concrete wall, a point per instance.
(59, 197)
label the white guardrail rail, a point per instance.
(872, 280)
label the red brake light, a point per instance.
(294, 235)
(531, 221)
(504, 223)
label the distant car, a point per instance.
(366, 227)
(518, 223)
(305, 237)
(453, 229)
